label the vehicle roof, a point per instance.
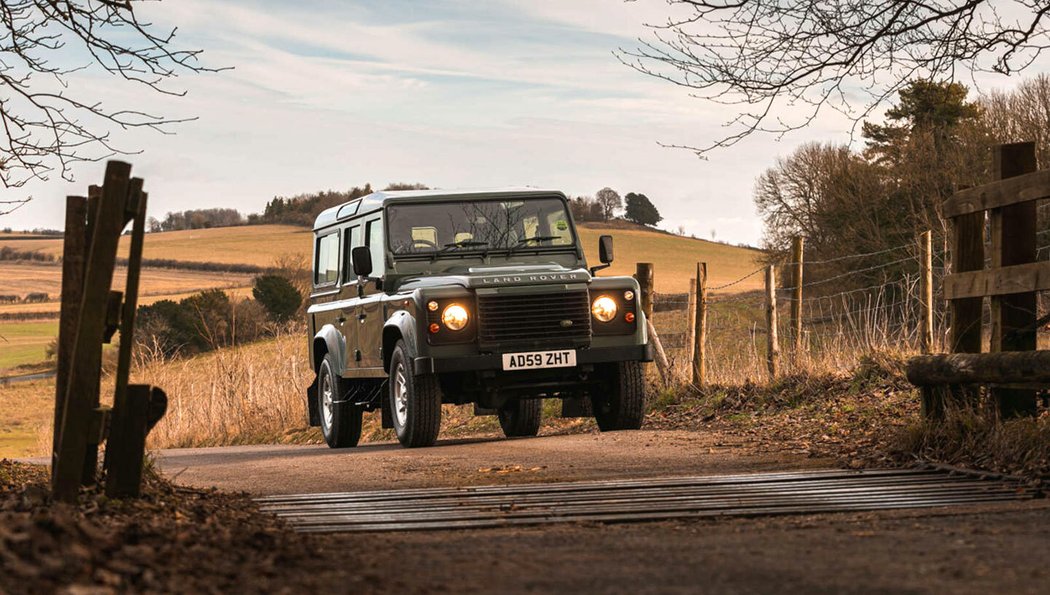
(377, 200)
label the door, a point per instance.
(370, 310)
(348, 298)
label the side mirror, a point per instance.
(362, 259)
(605, 253)
(605, 249)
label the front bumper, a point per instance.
(494, 361)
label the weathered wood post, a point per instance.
(796, 298)
(73, 258)
(772, 344)
(82, 385)
(926, 290)
(644, 275)
(1013, 242)
(700, 320)
(690, 325)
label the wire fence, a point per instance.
(847, 313)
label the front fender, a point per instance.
(400, 326)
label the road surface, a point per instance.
(977, 549)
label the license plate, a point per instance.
(565, 358)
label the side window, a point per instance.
(326, 260)
(351, 238)
(375, 245)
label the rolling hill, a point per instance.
(674, 258)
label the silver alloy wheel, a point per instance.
(326, 398)
(400, 395)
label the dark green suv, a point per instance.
(429, 297)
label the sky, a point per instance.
(450, 93)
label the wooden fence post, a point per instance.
(690, 324)
(772, 345)
(644, 275)
(700, 320)
(1013, 235)
(74, 253)
(926, 290)
(796, 300)
(81, 400)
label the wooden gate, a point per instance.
(1012, 369)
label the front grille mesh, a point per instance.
(534, 317)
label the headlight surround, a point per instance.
(604, 308)
(455, 317)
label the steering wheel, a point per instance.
(427, 243)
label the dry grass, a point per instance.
(26, 411)
(20, 278)
(257, 244)
(977, 438)
(674, 258)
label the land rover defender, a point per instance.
(428, 297)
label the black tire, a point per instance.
(417, 421)
(521, 417)
(623, 405)
(340, 422)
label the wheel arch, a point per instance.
(327, 340)
(401, 326)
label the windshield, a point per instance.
(478, 225)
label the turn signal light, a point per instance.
(629, 317)
(434, 327)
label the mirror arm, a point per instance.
(595, 269)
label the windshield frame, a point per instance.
(474, 251)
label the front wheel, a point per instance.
(521, 417)
(340, 420)
(622, 407)
(415, 402)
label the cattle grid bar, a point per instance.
(761, 494)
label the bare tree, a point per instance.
(49, 126)
(609, 201)
(788, 60)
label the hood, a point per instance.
(478, 276)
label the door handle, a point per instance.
(341, 320)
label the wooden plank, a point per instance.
(1013, 243)
(73, 257)
(1021, 278)
(1020, 189)
(967, 255)
(700, 320)
(772, 344)
(82, 384)
(980, 368)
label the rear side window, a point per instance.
(326, 260)
(375, 245)
(351, 238)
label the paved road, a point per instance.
(285, 469)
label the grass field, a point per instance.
(26, 411)
(24, 342)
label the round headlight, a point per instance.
(454, 317)
(604, 308)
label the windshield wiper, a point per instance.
(529, 240)
(459, 244)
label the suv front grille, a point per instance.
(562, 318)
